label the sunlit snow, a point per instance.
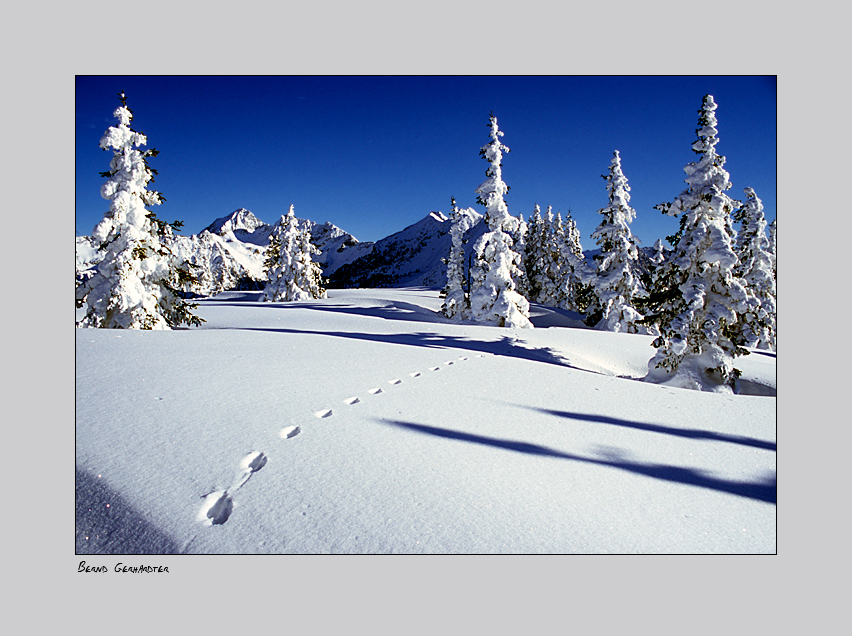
(369, 423)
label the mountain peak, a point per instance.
(240, 219)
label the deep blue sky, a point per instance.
(376, 154)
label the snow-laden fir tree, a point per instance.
(292, 274)
(550, 260)
(456, 302)
(532, 252)
(542, 258)
(519, 240)
(651, 278)
(493, 297)
(577, 292)
(659, 253)
(755, 270)
(699, 312)
(136, 284)
(773, 248)
(616, 281)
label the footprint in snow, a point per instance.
(251, 463)
(396, 381)
(462, 357)
(350, 401)
(324, 413)
(289, 431)
(448, 362)
(435, 369)
(217, 508)
(219, 505)
(375, 391)
(416, 374)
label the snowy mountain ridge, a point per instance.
(240, 220)
(229, 253)
(411, 257)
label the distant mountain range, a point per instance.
(229, 253)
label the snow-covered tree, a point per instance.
(493, 298)
(136, 284)
(773, 248)
(542, 258)
(292, 274)
(755, 270)
(651, 282)
(519, 239)
(616, 282)
(698, 315)
(533, 247)
(456, 300)
(577, 292)
(659, 253)
(550, 261)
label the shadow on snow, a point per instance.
(761, 491)
(107, 524)
(659, 428)
(507, 346)
(541, 316)
(395, 310)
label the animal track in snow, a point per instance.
(251, 463)
(217, 508)
(324, 413)
(396, 381)
(416, 374)
(350, 401)
(218, 505)
(375, 391)
(435, 369)
(289, 431)
(462, 357)
(449, 362)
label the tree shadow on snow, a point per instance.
(688, 433)
(540, 316)
(760, 491)
(380, 308)
(507, 346)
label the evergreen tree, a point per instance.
(755, 270)
(659, 256)
(532, 254)
(616, 283)
(577, 292)
(493, 298)
(650, 281)
(292, 274)
(456, 302)
(519, 275)
(550, 260)
(700, 307)
(272, 255)
(136, 285)
(773, 249)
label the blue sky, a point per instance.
(376, 154)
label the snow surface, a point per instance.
(369, 423)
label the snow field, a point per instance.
(384, 428)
